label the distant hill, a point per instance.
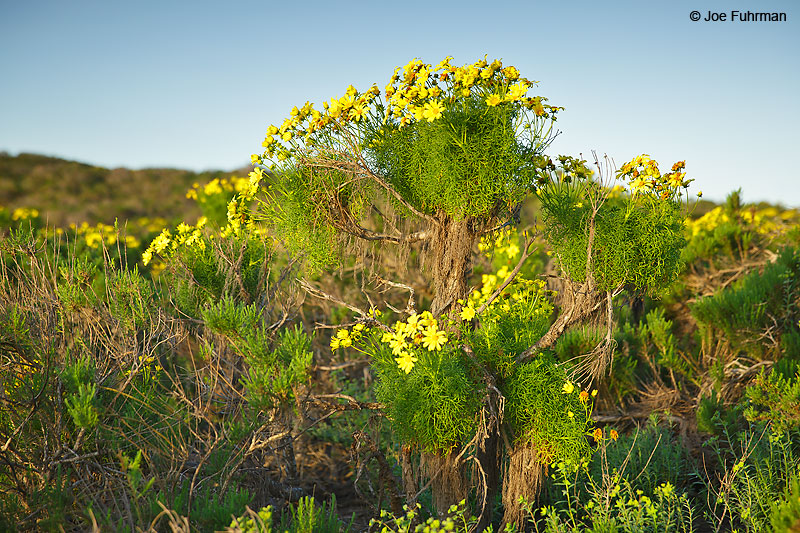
(67, 192)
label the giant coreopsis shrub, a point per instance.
(438, 159)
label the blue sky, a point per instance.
(195, 84)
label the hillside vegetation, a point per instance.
(67, 192)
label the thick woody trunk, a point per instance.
(450, 261)
(488, 457)
(448, 480)
(521, 483)
(451, 249)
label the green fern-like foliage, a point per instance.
(133, 294)
(294, 212)
(468, 163)
(515, 321)
(637, 241)
(434, 405)
(538, 410)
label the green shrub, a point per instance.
(756, 304)
(757, 473)
(774, 399)
(457, 520)
(274, 374)
(714, 417)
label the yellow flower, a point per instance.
(357, 112)
(598, 434)
(570, 414)
(613, 434)
(512, 250)
(426, 320)
(584, 396)
(639, 184)
(594, 393)
(433, 110)
(342, 334)
(493, 100)
(511, 73)
(516, 91)
(335, 343)
(334, 109)
(444, 64)
(287, 136)
(398, 344)
(568, 388)
(434, 339)
(467, 313)
(676, 180)
(161, 242)
(406, 361)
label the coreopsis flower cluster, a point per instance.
(281, 142)
(344, 338)
(423, 92)
(504, 242)
(645, 177)
(237, 214)
(217, 186)
(94, 235)
(167, 243)
(416, 92)
(520, 292)
(24, 213)
(419, 331)
(769, 220)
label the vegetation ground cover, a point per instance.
(407, 310)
